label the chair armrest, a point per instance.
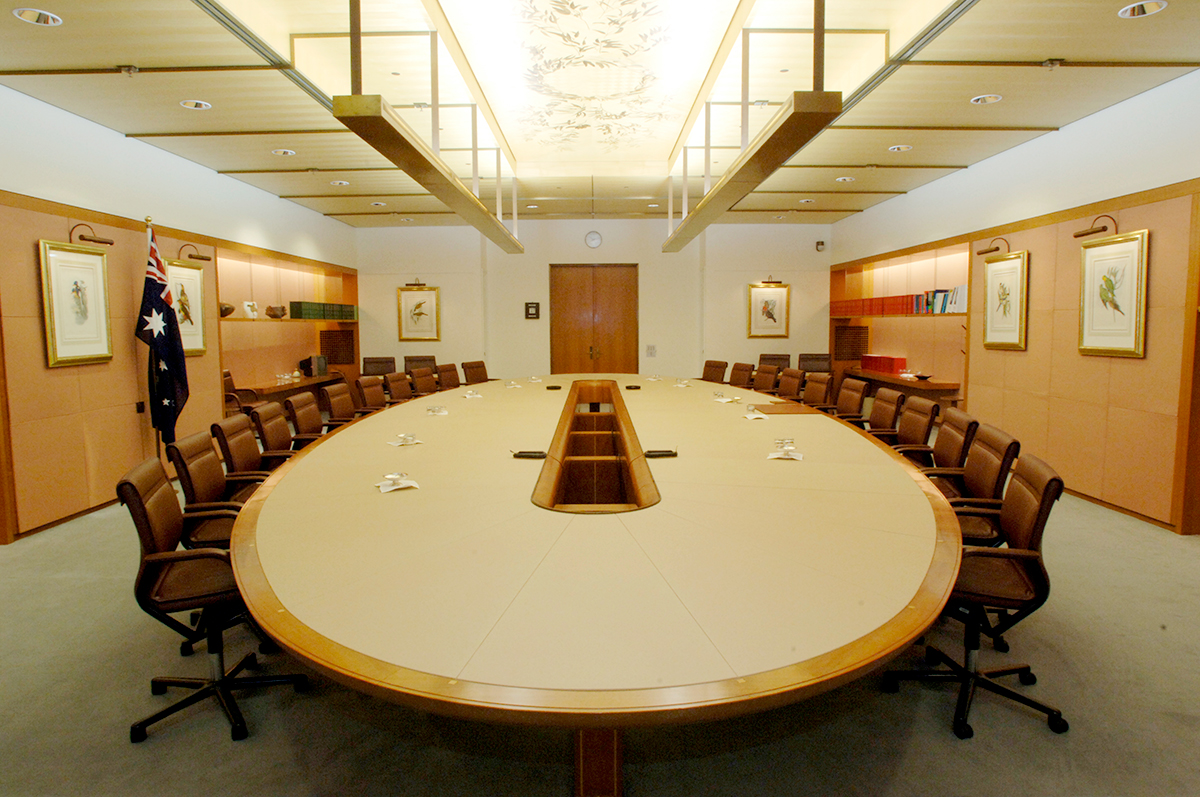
(884, 434)
(277, 454)
(165, 557)
(246, 394)
(968, 502)
(211, 514)
(857, 420)
(999, 553)
(247, 476)
(977, 511)
(208, 506)
(949, 473)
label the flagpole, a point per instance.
(157, 433)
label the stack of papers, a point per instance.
(796, 455)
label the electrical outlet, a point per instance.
(140, 407)
(651, 351)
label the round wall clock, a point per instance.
(593, 239)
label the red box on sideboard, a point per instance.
(883, 363)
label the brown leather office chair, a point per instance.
(272, 428)
(914, 425)
(1010, 583)
(171, 581)
(305, 414)
(791, 381)
(816, 389)
(989, 460)
(424, 382)
(448, 376)
(399, 387)
(239, 447)
(714, 371)
(341, 404)
(851, 397)
(414, 361)
(474, 372)
(949, 450)
(205, 483)
(371, 395)
(765, 378)
(780, 361)
(238, 399)
(378, 366)
(741, 375)
(885, 409)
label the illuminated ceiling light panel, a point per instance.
(580, 84)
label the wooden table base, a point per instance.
(598, 763)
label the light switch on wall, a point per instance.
(651, 351)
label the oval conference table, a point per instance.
(754, 582)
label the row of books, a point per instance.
(324, 310)
(930, 302)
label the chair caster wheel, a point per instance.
(1057, 723)
(137, 734)
(1000, 644)
(302, 685)
(238, 733)
(1027, 678)
(157, 688)
(186, 649)
(889, 684)
(963, 731)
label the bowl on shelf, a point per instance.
(226, 309)
(276, 311)
(922, 376)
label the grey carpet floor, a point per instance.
(1117, 648)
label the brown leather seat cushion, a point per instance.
(193, 584)
(994, 581)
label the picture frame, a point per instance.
(420, 312)
(75, 304)
(1112, 296)
(533, 310)
(768, 313)
(1006, 306)
(187, 288)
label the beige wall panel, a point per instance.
(1069, 258)
(233, 270)
(1151, 383)
(50, 475)
(1075, 443)
(889, 336)
(1168, 223)
(987, 365)
(204, 407)
(20, 259)
(978, 280)
(264, 282)
(922, 344)
(1073, 376)
(922, 273)
(120, 380)
(1027, 418)
(1139, 461)
(949, 345)
(126, 262)
(987, 402)
(1029, 370)
(1040, 244)
(36, 392)
(953, 267)
(112, 444)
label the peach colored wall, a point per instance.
(75, 430)
(1107, 424)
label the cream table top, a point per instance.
(753, 582)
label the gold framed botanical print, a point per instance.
(75, 304)
(1006, 309)
(420, 313)
(770, 305)
(187, 288)
(1112, 296)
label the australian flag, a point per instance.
(158, 327)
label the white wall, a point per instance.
(1145, 142)
(48, 153)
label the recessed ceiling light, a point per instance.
(379, 204)
(284, 152)
(782, 70)
(986, 99)
(196, 105)
(845, 179)
(36, 16)
(806, 201)
(339, 182)
(900, 148)
(1136, 10)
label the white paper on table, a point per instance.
(796, 455)
(472, 394)
(654, 379)
(403, 484)
(534, 379)
(442, 411)
(682, 384)
(756, 416)
(402, 443)
(512, 384)
(730, 400)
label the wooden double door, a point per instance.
(594, 319)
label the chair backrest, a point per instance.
(424, 381)
(414, 361)
(765, 376)
(378, 366)
(398, 386)
(475, 371)
(885, 408)
(448, 376)
(303, 412)
(341, 405)
(989, 459)
(916, 420)
(741, 375)
(851, 397)
(790, 381)
(780, 361)
(954, 438)
(814, 362)
(272, 426)
(370, 391)
(816, 388)
(1031, 493)
(227, 381)
(152, 503)
(198, 468)
(239, 448)
(714, 371)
